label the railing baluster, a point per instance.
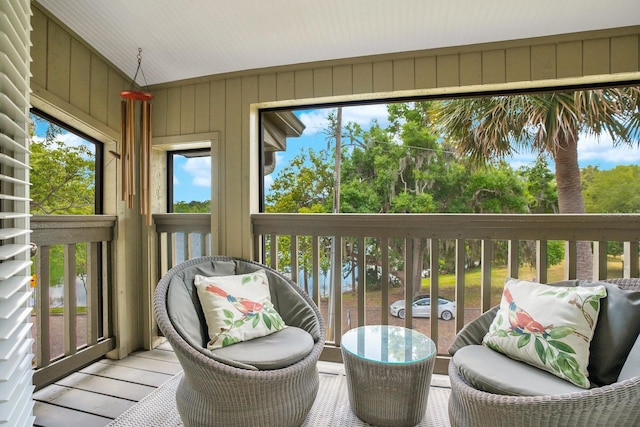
(294, 258)
(599, 260)
(513, 262)
(273, 253)
(93, 293)
(188, 246)
(315, 259)
(106, 328)
(384, 298)
(541, 261)
(485, 279)
(335, 321)
(362, 274)
(205, 247)
(172, 253)
(408, 283)
(460, 281)
(43, 348)
(434, 280)
(570, 259)
(70, 306)
(630, 259)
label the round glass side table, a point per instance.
(388, 370)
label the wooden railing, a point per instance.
(377, 241)
(181, 237)
(76, 328)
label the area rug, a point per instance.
(331, 408)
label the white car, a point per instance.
(421, 307)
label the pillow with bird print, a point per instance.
(237, 308)
(549, 327)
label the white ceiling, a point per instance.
(182, 39)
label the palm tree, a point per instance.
(547, 123)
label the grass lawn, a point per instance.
(447, 282)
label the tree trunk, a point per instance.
(570, 198)
(420, 246)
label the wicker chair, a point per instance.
(616, 404)
(215, 391)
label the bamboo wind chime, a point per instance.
(128, 147)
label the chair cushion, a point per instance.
(549, 327)
(493, 372)
(473, 332)
(616, 332)
(274, 351)
(237, 308)
(183, 304)
(631, 367)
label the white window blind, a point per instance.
(16, 389)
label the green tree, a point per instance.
(548, 123)
(62, 176)
(542, 192)
(305, 184)
(613, 191)
(193, 206)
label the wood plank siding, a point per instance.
(74, 83)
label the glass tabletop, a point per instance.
(388, 344)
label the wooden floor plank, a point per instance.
(146, 364)
(48, 415)
(125, 373)
(85, 401)
(108, 386)
(165, 356)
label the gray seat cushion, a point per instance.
(631, 367)
(274, 351)
(183, 304)
(493, 372)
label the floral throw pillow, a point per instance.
(549, 327)
(237, 308)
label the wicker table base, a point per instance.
(388, 372)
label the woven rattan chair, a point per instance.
(616, 404)
(215, 392)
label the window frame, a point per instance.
(193, 152)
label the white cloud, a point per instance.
(72, 140)
(598, 150)
(69, 139)
(199, 168)
(364, 114)
(592, 150)
(316, 120)
(268, 181)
